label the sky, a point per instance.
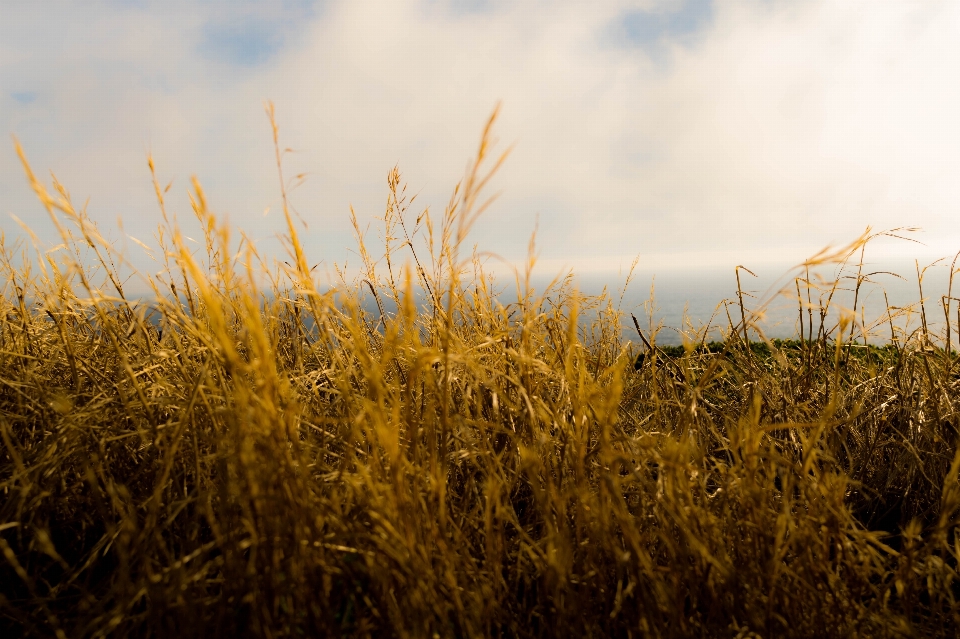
(693, 134)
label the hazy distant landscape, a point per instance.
(698, 295)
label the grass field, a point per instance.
(273, 460)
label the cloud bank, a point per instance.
(694, 134)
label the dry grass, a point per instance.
(276, 461)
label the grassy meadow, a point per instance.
(252, 455)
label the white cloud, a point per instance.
(772, 129)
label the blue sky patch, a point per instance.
(466, 7)
(247, 42)
(251, 32)
(647, 28)
(24, 97)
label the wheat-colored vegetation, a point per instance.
(241, 458)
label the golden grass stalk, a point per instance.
(279, 461)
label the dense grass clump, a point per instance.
(247, 459)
